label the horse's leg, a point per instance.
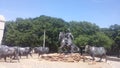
(76, 49)
(60, 50)
(71, 49)
(68, 49)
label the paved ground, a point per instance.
(114, 62)
(40, 63)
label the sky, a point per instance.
(101, 12)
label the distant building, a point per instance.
(2, 24)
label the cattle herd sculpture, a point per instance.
(17, 52)
(66, 48)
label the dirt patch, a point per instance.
(75, 57)
(35, 62)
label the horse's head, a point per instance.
(61, 36)
(65, 41)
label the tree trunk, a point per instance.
(44, 39)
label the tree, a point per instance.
(100, 39)
(82, 40)
(30, 32)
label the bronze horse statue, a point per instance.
(66, 44)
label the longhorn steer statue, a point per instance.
(96, 51)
